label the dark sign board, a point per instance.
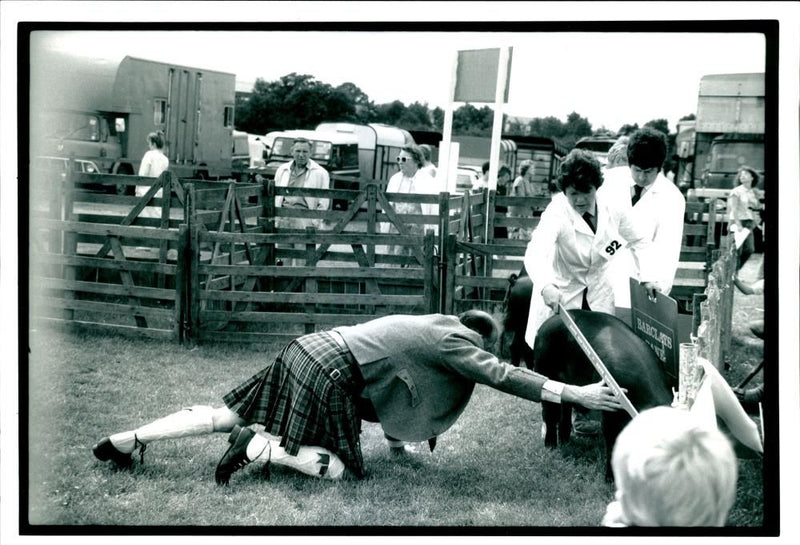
(656, 322)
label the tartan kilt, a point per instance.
(297, 399)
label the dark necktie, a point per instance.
(589, 220)
(637, 194)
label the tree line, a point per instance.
(299, 101)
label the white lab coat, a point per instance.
(659, 215)
(563, 251)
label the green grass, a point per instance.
(490, 470)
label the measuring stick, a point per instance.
(596, 361)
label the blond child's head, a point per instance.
(670, 471)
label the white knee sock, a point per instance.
(195, 420)
(314, 461)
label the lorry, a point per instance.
(99, 112)
(728, 133)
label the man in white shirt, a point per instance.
(655, 204)
(301, 172)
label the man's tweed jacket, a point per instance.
(420, 371)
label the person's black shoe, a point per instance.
(104, 450)
(235, 458)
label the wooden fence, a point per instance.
(487, 262)
(713, 309)
(97, 261)
(205, 261)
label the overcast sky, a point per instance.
(611, 78)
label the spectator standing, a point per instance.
(411, 178)
(301, 172)
(427, 166)
(743, 205)
(503, 189)
(655, 204)
(751, 397)
(670, 471)
(618, 154)
(153, 164)
(413, 374)
(525, 186)
(483, 181)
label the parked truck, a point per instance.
(728, 133)
(99, 112)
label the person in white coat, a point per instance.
(411, 178)
(655, 204)
(580, 231)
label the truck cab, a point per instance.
(727, 154)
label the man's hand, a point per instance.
(651, 288)
(595, 396)
(551, 296)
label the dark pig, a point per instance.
(629, 359)
(515, 319)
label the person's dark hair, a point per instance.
(581, 170)
(485, 167)
(752, 172)
(416, 154)
(503, 170)
(647, 148)
(157, 138)
(481, 323)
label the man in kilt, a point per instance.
(413, 374)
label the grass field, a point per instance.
(490, 470)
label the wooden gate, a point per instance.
(97, 262)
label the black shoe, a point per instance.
(105, 451)
(235, 458)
